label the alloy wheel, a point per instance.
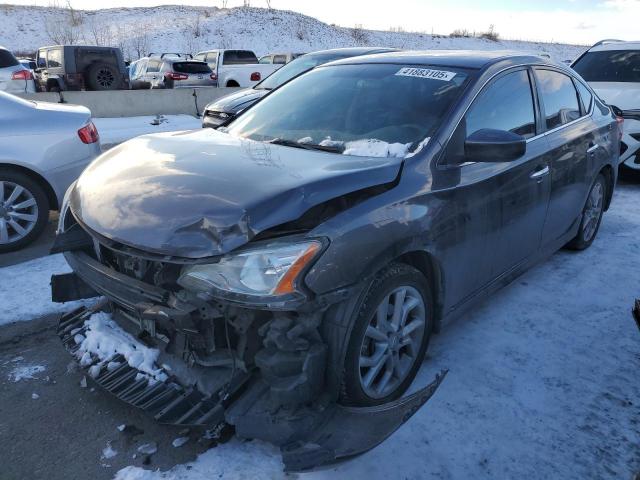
(392, 341)
(18, 212)
(592, 211)
(105, 77)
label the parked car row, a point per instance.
(293, 265)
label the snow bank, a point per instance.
(25, 292)
(104, 339)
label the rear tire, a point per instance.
(591, 215)
(24, 210)
(377, 333)
(103, 76)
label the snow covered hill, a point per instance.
(189, 29)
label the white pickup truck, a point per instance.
(236, 68)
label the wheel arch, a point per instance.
(39, 179)
(232, 82)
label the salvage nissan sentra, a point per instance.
(284, 276)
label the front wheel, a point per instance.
(389, 338)
(24, 210)
(591, 215)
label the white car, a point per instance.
(43, 149)
(612, 68)
(14, 77)
(236, 68)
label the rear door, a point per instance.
(573, 140)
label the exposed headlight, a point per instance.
(272, 270)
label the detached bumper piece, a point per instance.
(168, 401)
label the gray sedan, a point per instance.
(43, 149)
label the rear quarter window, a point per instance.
(610, 66)
(559, 98)
(239, 57)
(7, 59)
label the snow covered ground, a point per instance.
(139, 31)
(544, 378)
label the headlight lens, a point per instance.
(268, 271)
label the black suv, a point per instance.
(67, 67)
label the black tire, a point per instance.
(585, 236)
(232, 84)
(395, 276)
(42, 204)
(103, 76)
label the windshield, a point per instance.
(367, 110)
(610, 66)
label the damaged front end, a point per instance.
(262, 369)
(241, 340)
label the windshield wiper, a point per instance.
(305, 146)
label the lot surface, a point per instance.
(544, 382)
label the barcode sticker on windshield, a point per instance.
(426, 73)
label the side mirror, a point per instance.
(488, 145)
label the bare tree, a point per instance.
(99, 34)
(269, 4)
(65, 28)
(140, 43)
(225, 3)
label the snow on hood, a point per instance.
(370, 147)
(104, 339)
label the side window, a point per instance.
(280, 59)
(199, 57)
(42, 59)
(265, 59)
(585, 96)
(559, 97)
(54, 58)
(507, 104)
(154, 66)
(212, 59)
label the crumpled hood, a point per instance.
(204, 193)
(237, 101)
(622, 95)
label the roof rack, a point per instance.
(165, 54)
(605, 41)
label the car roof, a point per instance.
(475, 59)
(608, 45)
(354, 51)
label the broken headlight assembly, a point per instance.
(255, 275)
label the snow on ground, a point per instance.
(25, 292)
(117, 130)
(190, 29)
(25, 372)
(544, 382)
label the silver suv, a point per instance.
(14, 77)
(612, 68)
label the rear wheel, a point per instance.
(389, 338)
(591, 215)
(103, 76)
(24, 210)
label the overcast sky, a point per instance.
(574, 21)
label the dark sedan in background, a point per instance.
(226, 108)
(293, 267)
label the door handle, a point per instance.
(540, 172)
(593, 147)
